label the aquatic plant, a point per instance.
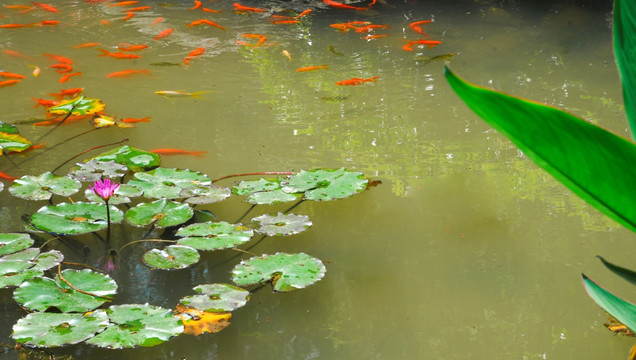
(592, 162)
(69, 306)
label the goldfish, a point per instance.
(36, 70)
(119, 55)
(66, 77)
(164, 33)
(415, 26)
(197, 4)
(85, 45)
(139, 8)
(343, 27)
(211, 11)
(341, 5)
(9, 75)
(357, 81)
(311, 68)
(128, 73)
(61, 68)
(169, 151)
(15, 54)
(16, 26)
(178, 93)
(157, 20)
(45, 103)
(371, 27)
(286, 22)
(49, 22)
(7, 176)
(287, 54)
(240, 8)
(17, 7)
(124, 3)
(67, 92)
(129, 47)
(133, 120)
(304, 13)
(193, 54)
(46, 7)
(129, 15)
(205, 21)
(59, 58)
(430, 43)
(261, 39)
(104, 22)
(8, 83)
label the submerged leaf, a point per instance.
(44, 186)
(324, 185)
(168, 183)
(281, 224)
(135, 159)
(78, 106)
(217, 298)
(133, 325)
(197, 322)
(162, 213)
(214, 235)
(50, 330)
(75, 218)
(287, 272)
(173, 257)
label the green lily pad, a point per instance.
(50, 330)
(26, 265)
(15, 279)
(204, 194)
(282, 224)
(19, 261)
(168, 183)
(121, 196)
(47, 260)
(263, 192)
(76, 218)
(214, 235)
(134, 325)
(135, 159)
(14, 242)
(172, 257)
(44, 186)
(13, 143)
(78, 106)
(41, 293)
(8, 128)
(247, 187)
(94, 170)
(270, 197)
(217, 298)
(323, 185)
(287, 272)
(162, 212)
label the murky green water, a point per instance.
(467, 249)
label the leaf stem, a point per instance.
(59, 273)
(88, 150)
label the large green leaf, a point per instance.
(44, 186)
(50, 330)
(625, 52)
(17, 267)
(135, 159)
(173, 257)
(325, 185)
(214, 235)
(589, 160)
(282, 224)
(217, 298)
(14, 242)
(620, 309)
(162, 212)
(168, 183)
(94, 170)
(75, 218)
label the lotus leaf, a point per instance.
(282, 224)
(50, 329)
(19, 261)
(17, 267)
(94, 170)
(204, 194)
(325, 185)
(270, 197)
(13, 143)
(121, 196)
(44, 186)
(42, 293)
(162, 212)
(197, 322)
(214, 235)
(247, 187)
(287, 272)
(15, 279)
(78, 106)
(8, 128)
(168, 183)
(172, 257)
(13, 242)
(135, 159)
(263, 192)
(217, 298)
(47, 260)
(134, 325)
(75, 218)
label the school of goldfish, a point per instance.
(201, 10)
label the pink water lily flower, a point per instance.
(104, 188)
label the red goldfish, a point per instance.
(205, 21)
(128, 73)
(133, 120)
(368, 28)
(169, 151)
(85, 45)
(7, 176)
(193, 54)
(124, 3)
(45, 103)
(370, 37)
(62, 68)
(311, 68)
(286, 22)
(119, 55)
(49, 22)
(66, 77)
(157, 20)
(15, 54)
(8, 83)
(211, 11)
(129, 47)
(67, 92)
(164, 33)
(415, 26)
(16, 26)
(430, 43)
(129, 15)
(139, 8)
(341, 5)
(46, 7)
(197, 4)
(59, 58)
(240, 8)
(6, 74)
(304, 13)
(357, 81)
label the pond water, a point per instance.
(466, 249)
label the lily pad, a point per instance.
(162, 212)
(287, 272)
(14, 242)
(168, 183)
(172, 257)
(263, 192)
(100, 121)
(78, 106)
(197, 322)
(94, 170)
(8, 128)
(270, 197)
(41, 293)
(204, 194)
(133, 325)
(47, 260)
(19, 261)
(247, 187)
(50, 330)
(282, 224)
(75, 218)
(217, 298)
(44, 186)
(214, 235)
(28, 265)
(121, 196)
(135, 159)
(323, 185)
(13, 143)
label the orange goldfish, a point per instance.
(164, 33)
(341, 5)
(129, 47)
(128, 73)
(193, 54)
(16, 7)
(67, 92)
(287, 54)
(304, 13)
(104, 22)
(7, 176)
(139, 8)
(8, 83)
(6, 74)
(59, 58)
(311, 68)
(429, 43)
(45, 103)
(66, 77)
(415, 26)
(240, 8)
(211, 11)
(62, 68)
(169, 151)
(370, 37)
(15, 54)
(129, 15)
(157, 20)
(85, 45)
(197, 4)
(49, 22)
(357, 81)
(119, 55)
(124, 3)
(133, 120)
(205, 21)
(368, 28)
(46, 7)
(17, 26)
(286, 22)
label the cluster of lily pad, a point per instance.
(67, 307)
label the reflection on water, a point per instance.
(466, 248)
